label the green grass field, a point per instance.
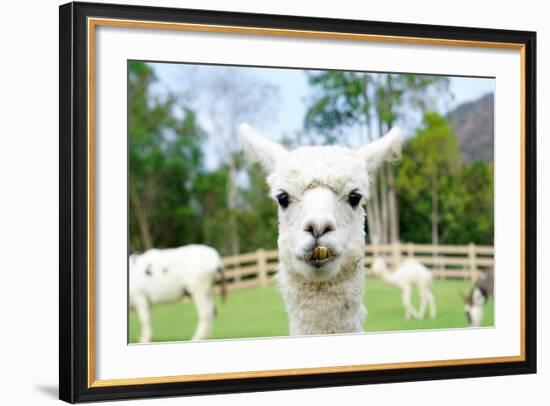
(259, 312)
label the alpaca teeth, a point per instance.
(320, 253)
(315, 253)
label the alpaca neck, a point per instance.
(334, 306)
(388, 276)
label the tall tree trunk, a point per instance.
(142, 219)
(383, 206)
(375, 200)
(392, 200)
(372, 204)
(392, 206)
(232, 205)
(435, 211)
(383, 192)
(371, 221)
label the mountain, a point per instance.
(473, 124)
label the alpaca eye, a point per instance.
(283, 199)
(354, 198)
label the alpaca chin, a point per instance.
(296, 261)
(334, 306)
(312, 273)
(321, 304)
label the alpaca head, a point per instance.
(379, 266)
(321, 192)
(473, 306)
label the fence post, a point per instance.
(472, 261)
(262, 267)
(375, 252)
(396, 253)
(410, 250)
(437, 266)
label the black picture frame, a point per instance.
(74, 385)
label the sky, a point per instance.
(293, 91)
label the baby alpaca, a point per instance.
(321, 193)
(167, 275)
(408, 273)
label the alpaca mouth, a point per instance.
(320, 255)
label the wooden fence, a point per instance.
(446, 261)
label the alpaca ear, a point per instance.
(260, 149)
(386, 148)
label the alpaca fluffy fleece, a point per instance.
(328, 297)
(166, 275)
(409, 273)
(324, 307)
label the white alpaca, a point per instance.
(410, 272)
(167, 275)
(321, 192)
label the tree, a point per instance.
(165, 157)
(477, 223)
(210, 189)
(340, 108)
(258, 216)
(231, 97)
(430, 164)
(345, 106)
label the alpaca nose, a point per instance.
(319, 227)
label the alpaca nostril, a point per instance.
(310, 229)
(328, 228)
(318, 230)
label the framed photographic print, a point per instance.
(258, 202)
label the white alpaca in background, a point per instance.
(168, 275)
(321, 192)
(409, 272)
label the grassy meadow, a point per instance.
(259, 312)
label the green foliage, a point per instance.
(347, 101)
(173, 199)
(436, 148)
(211, 198)
(257, 221)
(342, 101)
(432, 160)
(478, 220)
(165, 158)
(256, 214)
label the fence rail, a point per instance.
(446, 261)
